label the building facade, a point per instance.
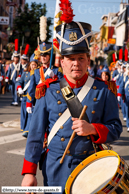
(8, 12)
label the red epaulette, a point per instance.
(41, 88)
(111, 85)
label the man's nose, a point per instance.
(76, 62)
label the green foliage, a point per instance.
(29, 21)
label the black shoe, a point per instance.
(25, 134)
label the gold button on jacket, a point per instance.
(62, 139)
(59, 102)
(94, 87)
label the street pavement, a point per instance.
(12, 144)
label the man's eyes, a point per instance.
(73, 59)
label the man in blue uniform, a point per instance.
(13, 75)
(22, 88)
(24, 62)
(50, 113)
(124, 95)
(44, 71)
(2, 74)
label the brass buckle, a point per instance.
(67, 93)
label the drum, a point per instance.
(101, 173)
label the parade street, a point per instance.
(12, 144)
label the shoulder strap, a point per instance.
(66, 115)
(13, 72)
(26, 86)
(74, 105)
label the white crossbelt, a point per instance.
(66, 115)
(16, 68)
(126, 84)
(26, 86)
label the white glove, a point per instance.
(118, 98)
(29, 109)
(18, 78)
(1, 78)
(50, 73)
(20, 91)
(6, 80)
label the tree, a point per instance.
(28, 21)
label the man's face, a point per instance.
(23, 61)
(75, 66)
(16, 59)
(45, 59)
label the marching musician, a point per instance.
(102, 123)
(14, 74)
(44, 72)
(2, 74)
(22, 88)
(124, 96)
(24, 58)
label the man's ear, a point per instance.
(62, 62)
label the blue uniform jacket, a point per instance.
(2, 72)
(24, 80)
(25, 117)
(124, 87)
(16, 74)
(102, 112)
(119, 80)
(115, 73)
(34, 81)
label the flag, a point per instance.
(120, 34)
(110, 31)
(104, 32)
(57, 21)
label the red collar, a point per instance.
(46, 67)
(79, 82)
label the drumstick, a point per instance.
(73, 135)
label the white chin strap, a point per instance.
(74, 42)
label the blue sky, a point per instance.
(89, 11)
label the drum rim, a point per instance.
(87, 162)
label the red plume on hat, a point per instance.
(67, 11)
(26, 49)
(113, 57)
(120, 54)
(16, 44)
(126, 54)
